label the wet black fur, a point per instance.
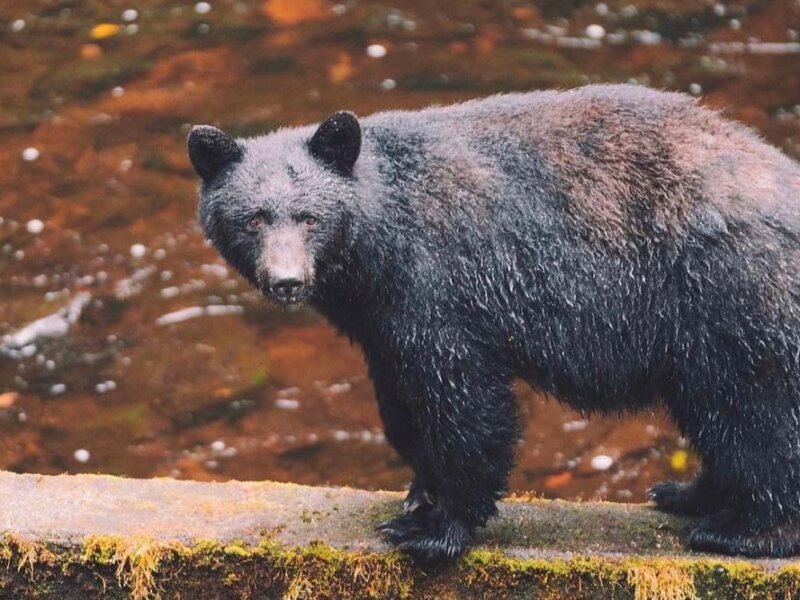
(459, 254)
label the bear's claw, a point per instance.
(428, 536)
(671, 496)
(684, 498)
(419, 497)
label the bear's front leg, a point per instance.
(465, 424)
(398, 424)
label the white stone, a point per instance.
(574, 425)
(287, 404)
(34, 226)
(138, 250)
(595, 32)
(30, 154)
(18, 25)
(602, 462)
(202, 8)
(376, 51)
(82, 455)
(130, 14)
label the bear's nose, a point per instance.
(286, 288)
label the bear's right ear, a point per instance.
(211, 150)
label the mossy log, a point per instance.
(91, 536)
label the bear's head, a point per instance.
(278, 207)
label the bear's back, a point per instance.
(625, 157)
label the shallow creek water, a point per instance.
(153, 358)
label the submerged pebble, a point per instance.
(595, 31)
(602, 462)
(52, 326)
(574, 425)
(30, 154)
(8, 399)
(34, 226)
(679, 460)
(376, 51)
(287, 404)
(194, 312)
(105, 386)
(82, 455)
(102, 31)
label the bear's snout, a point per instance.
(287, 290)
(285, 271)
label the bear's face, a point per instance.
(277, 208)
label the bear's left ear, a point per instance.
(337, 141)
(211, 150)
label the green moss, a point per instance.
(100, 550)
(136, 561)
(142, 568)
(237, 549)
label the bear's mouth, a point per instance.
(289, 300)
(299, 296)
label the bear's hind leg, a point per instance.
(735, 532)
(751, 454)
(697, 497)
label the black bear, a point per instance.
(614, 246)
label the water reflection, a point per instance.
(127, 347)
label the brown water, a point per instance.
(258, 392)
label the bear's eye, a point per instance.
(308, 219)
(254, 223)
